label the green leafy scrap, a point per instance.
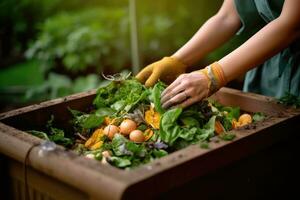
(189, 122)
(258, 116)
(233, 112)
(58, 136)
(121, 96)
(169, 129)
(120, 162)
(53, 134)
(290, 100)
(39, 134)
(88, 121)
(227, 136)
(156, 96)
(207, 131)
(119, 146)
(204, 145)
(129, 154)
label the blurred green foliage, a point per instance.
(25, 83)
(21, 74)
(16, 80)
(99, 37)
(79, 37)
(19, 20)
(77, 40)
(59, 85)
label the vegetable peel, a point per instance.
(152, 118)
(148, 134)
(219, 129)
(96, 137)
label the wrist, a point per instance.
(177, 61)
(214, 73)
(181, 59)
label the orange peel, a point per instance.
(219, 127)
(148, 134)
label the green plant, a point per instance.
(93, 37)
(100, 38)
(60, 85)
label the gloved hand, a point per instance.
(166, 70)
(190, 88)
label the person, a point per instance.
(271, 56)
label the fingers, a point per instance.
(193, 99)
(185, 91)
(174, 94)
(173, 85)
(178, 88)
(189, 102)
(178, 98)
(152, 79)
(143, 75)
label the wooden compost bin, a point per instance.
(259, 162)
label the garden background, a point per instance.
(53, 48)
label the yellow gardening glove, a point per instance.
(166, 70)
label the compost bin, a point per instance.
(259, 162)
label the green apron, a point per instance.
(281, 73)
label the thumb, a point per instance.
(152, 79)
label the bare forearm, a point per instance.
(205, 40)
(216, 31)
(270, 40)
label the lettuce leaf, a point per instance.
(172, 133)
(119, 162)
(156, 96)
(169, 129)
(88, 121)
(207, 131)
(119, 146)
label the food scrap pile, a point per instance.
(127, 126)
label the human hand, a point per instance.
(186, 90)
(166, 70)
(190, 88)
